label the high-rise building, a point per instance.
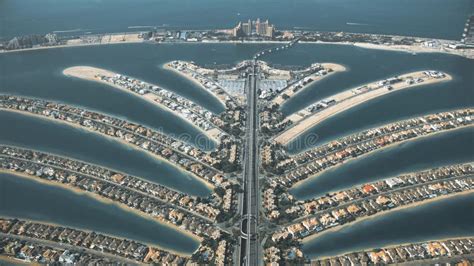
(247, 28)
(269, 30)
(261, 29)
(237, 31)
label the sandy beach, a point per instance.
(335, 67)
(127, 38)
(110, 202)
(90, 73)
(302, 182)
(107, 39)
(411, 205)
(304, 120)
(412, 49)
(129, 145)
(416, 49)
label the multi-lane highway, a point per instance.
(250, 241)
(250, 253)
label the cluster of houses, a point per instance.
(277, 256)
(192, 112)
(130, 197)
(299, 84)
(83, 243)
(381, 131)
(312, 206)
(234, 116)
(422, 253)
(336, 152)
(272, 120)
(294, 80)
(182, 154)
(366, 206)
(386, 84)
(221, 254)
(203, 77)
(208, 209)
(33, 252)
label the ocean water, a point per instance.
(27, 199)
(365, 66)
(58, 138)
(39, 74)
(441, 149)
(425, 18)
(441, 219)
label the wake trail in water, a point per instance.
(356, 24)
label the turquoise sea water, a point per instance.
(364, 66)
(426, 18)
(442, 149)
(58, 138)
(39, 74)
(26, 199)
(447, 218)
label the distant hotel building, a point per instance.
(250, 28)
(468, 35)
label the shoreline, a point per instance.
(107, 201)
(67, 46)
(378, 214)
(79, 72)
(193, 81)
(337, 68)
(392, 145)
(346, 100)
(126, 144)
(395, 48)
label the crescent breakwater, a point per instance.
(317, 112)
(372, 41)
